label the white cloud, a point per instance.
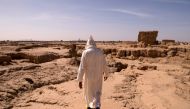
(124, 11)
(42, 16)
(175, 1)
(69, 18)
(54, 17)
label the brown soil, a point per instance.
(140, 83)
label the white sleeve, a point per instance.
(82, 67)
(105, 67)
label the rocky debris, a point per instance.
(66, 55)
(112, 69)
(79, 53)
(142, 67)
(152, 67)
(74, 61)
(73, 51)
(29, 80)
(172, 52)
(66, 46)
(42, 57)
(147, 67)
(148, 37)
(117, 66)
(182, 52)
(132, 57)
(4, 59)
(133, 67)
(16, 55)
(70, 45)
(2, 71)
(163, 53)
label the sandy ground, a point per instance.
(158, 91)
(68, 96)
(51, 85)
(150, 90)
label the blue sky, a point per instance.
(104, 19)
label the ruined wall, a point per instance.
(148, 37)
(166, 42)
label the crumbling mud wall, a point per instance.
(168, 42)
(148, 37)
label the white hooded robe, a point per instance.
(92, 67)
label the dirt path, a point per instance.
(130, 89)
(158, 91)
(67, 96)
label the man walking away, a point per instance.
(93, 68)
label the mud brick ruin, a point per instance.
(148, 37)
(168, 42)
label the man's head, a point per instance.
(90, 43)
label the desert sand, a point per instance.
(41, 75)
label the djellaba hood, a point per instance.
(90, 43)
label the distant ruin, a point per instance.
(148, 37)
(168, 42)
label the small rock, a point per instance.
(4, 59)
(152, 67)
(74, 61)
(117, 66)
(29, 80)
(30, 67)
(172, 52)
(147, 67)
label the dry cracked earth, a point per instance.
(42, 75)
